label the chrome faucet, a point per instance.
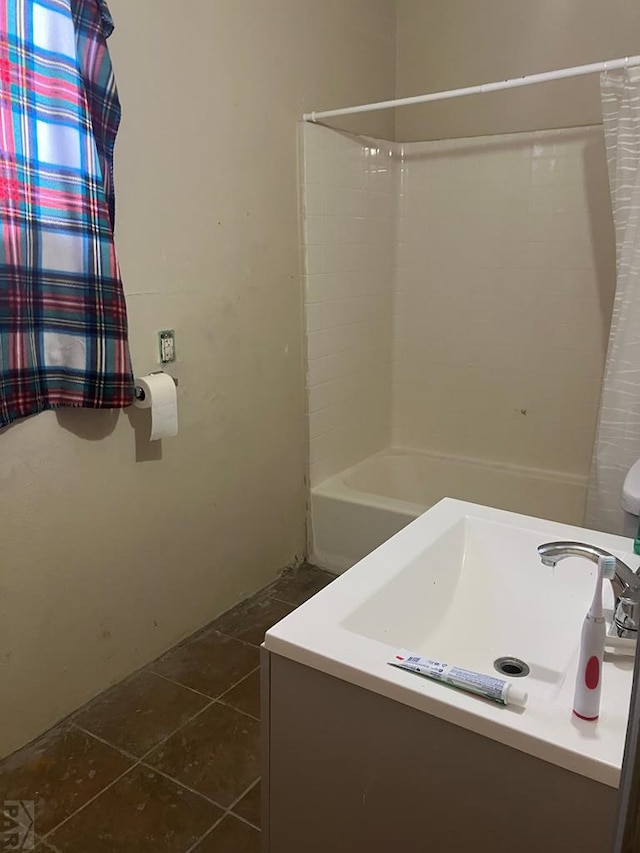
(625, 583)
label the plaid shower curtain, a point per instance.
(63, 323)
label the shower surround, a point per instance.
(458, 298)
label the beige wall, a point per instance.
(107, 561)
(445, 44)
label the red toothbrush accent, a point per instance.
(592, 673)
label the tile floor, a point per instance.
(168, 760)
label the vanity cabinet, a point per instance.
(346, 770)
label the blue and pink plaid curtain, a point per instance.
(63, 322)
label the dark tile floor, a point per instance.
(167, 761)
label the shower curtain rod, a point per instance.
(577, 71)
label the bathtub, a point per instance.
(355, 511)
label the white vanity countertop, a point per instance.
(356, 624)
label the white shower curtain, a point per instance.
(617, 443)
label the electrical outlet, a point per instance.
(167, 340)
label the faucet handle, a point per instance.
(627, 615)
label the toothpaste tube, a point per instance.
(496, 689)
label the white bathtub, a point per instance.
(358, 509)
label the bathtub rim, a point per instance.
(335, 485)
(336, 488)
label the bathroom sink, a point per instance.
(464, 584)
(479, 593)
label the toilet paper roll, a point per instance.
(161, 396)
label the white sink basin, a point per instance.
(480, 592)
(465, 584)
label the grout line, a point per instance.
(226, 814)
(182, 785)
(237, 684)
(238, 710)
(220, 695)
(196, 844)
(241, 797)
(137, 763)
(239, 681)
(91, 800)
(300, 603)
(141, 763)
(282, 600)
(231, 637)
(243, 819)
(210, 627)
(151, 671)
(226, 810)
(244, 793)
(176, 730)
(186, 687)
(106, 742)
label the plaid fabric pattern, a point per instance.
(63, 323)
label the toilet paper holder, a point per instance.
(138, 392)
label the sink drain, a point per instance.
(513, 667)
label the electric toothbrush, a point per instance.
(586, 701)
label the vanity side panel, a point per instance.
(265, 746)
(354, 772)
